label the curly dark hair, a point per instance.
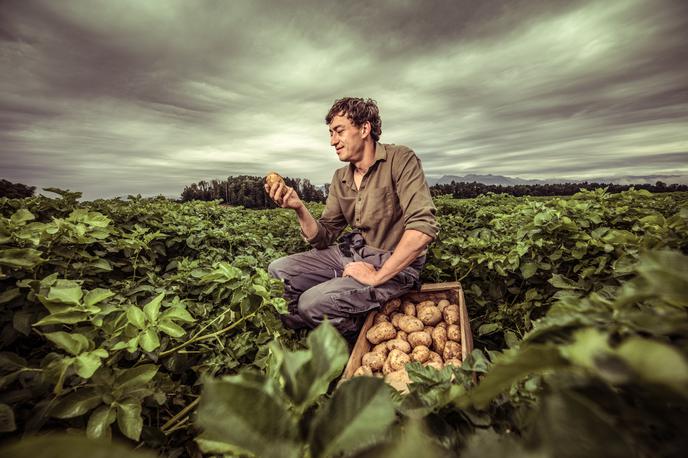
(358, 111)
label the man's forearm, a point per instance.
(308, 224)
(410, 246)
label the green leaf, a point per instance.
(97, 295)
(666, 274)
(69, 446)
(20, 257)
(7, 423)
(136, 317)
(99, 423)
(152, 309)
(561, 282)
(308, 373)
(87, 363)
(136, 377)
(530, 359)
(488, 328)
(66, 317)
(178, 313)
(355, 418)
(9, 295)
(149, 340)
(412, 440)
(69, 294)
(71, 343)
(170, 328)
(77, 404)
(246, 413)
(11, 362)
(129, 418)
(22, 216)
(528, 269)
(656, 362)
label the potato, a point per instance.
(420, 338)
(442, 324)
(363, 370)
(386, 368)
(381, 348)
(379, 318)
(421, 353)
(402, 335)
(399, 345)
(410, 324)
(435, 357)
(453, 362)
(442, 304)
(454, 333)
(381, 332)
(398, 359)
(272, 178)
(434, 364)
(391, 307)
(430, 315)
(451, 314)
(423, 304)
(374, 360)
(439, 339)
(399, 380)
(408, 308)
(395, 319)
(428, 329)
(451, 350)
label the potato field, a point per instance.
(146, 327)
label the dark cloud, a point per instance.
(115, 98)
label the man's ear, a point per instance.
(365, 128)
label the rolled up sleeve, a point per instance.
(414, 196)
(330, 224)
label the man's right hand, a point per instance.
(284, 196)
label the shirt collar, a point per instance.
(380, 155)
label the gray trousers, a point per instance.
(315, 289)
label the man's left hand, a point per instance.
(361, 271)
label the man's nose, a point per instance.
(334, 140)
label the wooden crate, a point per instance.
(451, 291)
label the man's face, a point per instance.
(346, 138)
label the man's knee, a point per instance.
(315, 306)
(311, 306)
(277, 267)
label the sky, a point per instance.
(122, 97)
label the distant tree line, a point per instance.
(463, 190)
(247, 191)
(15, 190)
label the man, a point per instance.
(382, 194)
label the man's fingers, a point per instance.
(275, 192)
(286, 196)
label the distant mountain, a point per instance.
(509, 181)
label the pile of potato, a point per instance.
(403, 332)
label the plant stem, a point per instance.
(179, 415)
(207, 336)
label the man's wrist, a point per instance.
(301, 208)
(378, 278)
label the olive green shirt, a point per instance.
(394, 196)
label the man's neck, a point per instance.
(367, 160)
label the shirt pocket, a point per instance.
(386, 201)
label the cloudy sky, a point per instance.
(129, 96)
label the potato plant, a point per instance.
(116, 315)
